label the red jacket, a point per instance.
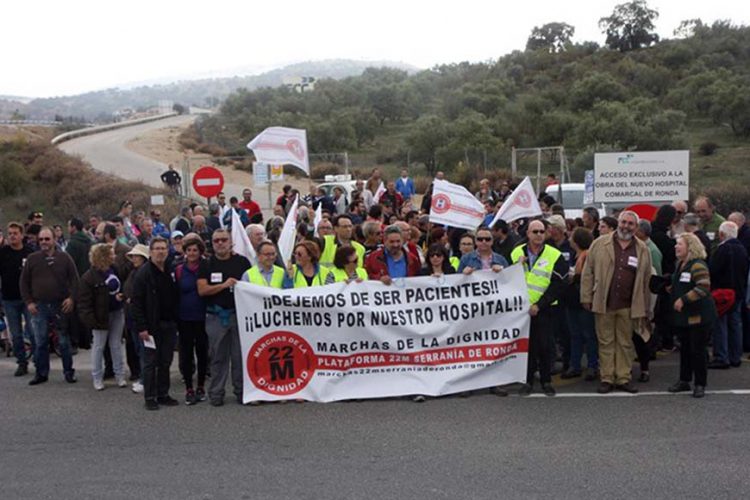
(377, 267)
(250, 207)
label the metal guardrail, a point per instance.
(103, 128)
(39, 122)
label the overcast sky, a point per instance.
(60, 48)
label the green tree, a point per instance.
(552, 37)
(426, 137)
(630, 27)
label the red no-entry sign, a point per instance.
(208, 181)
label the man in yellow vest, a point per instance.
(545, 270)
(344, 229)
(265, 273)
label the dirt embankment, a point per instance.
(163, 145)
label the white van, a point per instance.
(572, 199)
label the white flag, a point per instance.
(281, 145)
(318, 217)
(521, 203)
(453, 205)
(378, 193)
(289, 233)
(240, 241)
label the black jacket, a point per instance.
(728, 267)
(145, 302)
(93, 300)
(665, 244)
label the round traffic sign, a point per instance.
(208, 181)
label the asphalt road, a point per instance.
(69, 441)
(106, 151)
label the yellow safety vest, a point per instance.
(455, 261)
(340, 274)
(539, 276)
(330, 247)
(255, 277)
(318, 280)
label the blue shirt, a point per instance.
(406, 188)
(396, 268)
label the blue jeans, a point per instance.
(114, 335)
(14, 311)
(727, 337)
(582, 331)
(50, 311)
(137, 342)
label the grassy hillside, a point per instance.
(36, 176)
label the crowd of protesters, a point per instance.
(602, 289)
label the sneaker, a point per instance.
(200, 394)
(122, 383)
(71, 378)
(167, 401)
(699, 391)
(190, 397)
(644, 377)
(524, 390)
(137, 387)
(21, 371)
(151, 405)
(679, 386)
(98, 385)
(548, 390)
(419, 398)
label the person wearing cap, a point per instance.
(138, 256)
(175, 248)
(191, 320)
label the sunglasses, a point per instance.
(538, 231)
(220, 240)
(44, 239)
(434, 255)
(484, 238)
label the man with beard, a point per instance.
(620, 265)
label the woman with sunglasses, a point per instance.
(438, 263)
(306, 271)
(345, 267)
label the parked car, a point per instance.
(572, 199)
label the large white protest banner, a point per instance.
(642, 176)
(453, 205)
(281, 145)
(425, 335)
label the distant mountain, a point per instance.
(101, 105)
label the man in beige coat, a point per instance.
(614, 285)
